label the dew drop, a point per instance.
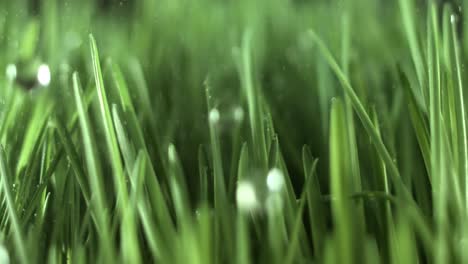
(11, 72)
(275, 180)
(246, 196)
(453, 18)
(43, 75)
(238, 114)
(214, 116)
(171, 152)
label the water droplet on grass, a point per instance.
(171, 153)
(238, 114)
(275, 180)
(453, 18)
(11, 72)
(246, 196)
(214, 116)
(43, 75)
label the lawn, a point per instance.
(222, 131)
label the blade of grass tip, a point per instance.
(449, 81)
(340, 184)
(291, 205)
(126, 147)
(10, 113)
(132, 251)
(95, 177)
(407, 9)
(365, 120)
(143, 98)
(293, 245)
(127, 226)
(274, 204)
(16, 227)
(111, 138)
(236, 143)
(434, 100)
(149, 228)
(122, 87)
(354, 155)
(178, 186)
(387, 214)
(273, 153)
(73, 157)
(214, 116)
(315, 206)
(222, 225)
(35, 128)
(418, 121)
(158, 203)
(437, 144)
(253, 101)
(243, 164)
(35, 197)
(133, 126)
(128, 107)
(461, 110)
(88, 99)
(453, 182)
(31, 168)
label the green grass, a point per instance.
(208, 131)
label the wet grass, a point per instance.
(233, 132)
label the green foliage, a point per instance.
(208, 131)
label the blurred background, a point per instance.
(176, 48)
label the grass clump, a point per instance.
(233, 132)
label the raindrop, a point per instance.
(214, 116)
(453, 18)
(171, 152)
(275, 180)
(11, 72)
(238, 114)
(246, 196)
(43, 75)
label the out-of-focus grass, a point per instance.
(233, 131)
